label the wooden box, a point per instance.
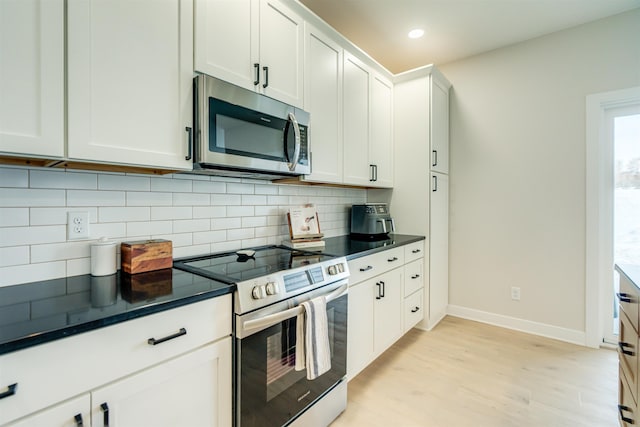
(146, 255)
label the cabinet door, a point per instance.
(32, 83)
(360, 327)
(71, 413)
(439, 127)
(357, 170)
(130, 69)
(439, 248)
(323, 99)
(281, 52)
(226, 40)
(388, 303)
(381, 142)
(192, 390)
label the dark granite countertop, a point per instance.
(631, 271)
(39, 312)
(355, 248)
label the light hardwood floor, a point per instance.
(465, 373)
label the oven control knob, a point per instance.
(332, 270)
(271, 288)
(258, 292)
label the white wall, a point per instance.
(517, 200)
(199, 214)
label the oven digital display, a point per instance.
(316, 274)
(296, 281)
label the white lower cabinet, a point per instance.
(191, 390)
(378, 300)
(184, 379)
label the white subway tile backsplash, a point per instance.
(14, 255)
(62, 179)
(191, 199)
(124, 182)
(24, 197)
(12, 217)
(190, 225)
(175, 212)
(95, 198)
(139, 198)
(124, 214)
(198, 213)
(19, 236)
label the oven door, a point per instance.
(269, 391)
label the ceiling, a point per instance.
(454, 29)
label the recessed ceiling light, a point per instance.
(416, 34)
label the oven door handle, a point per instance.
(272, 319)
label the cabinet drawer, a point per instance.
(413, 277)
(627, 408)
(628, 298)
(628, 353)
(414, 251)
(413, 310)
(55, 371)
(366, 267)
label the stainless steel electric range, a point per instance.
(271, 282)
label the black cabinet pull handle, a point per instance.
(382, 288)
(11, 390)
(190, 142)
(415, 276)
(105, 414)
(415, 251)
(256, 66)
(435, 183)
(379, 290)
(367, 268)
(622, 417)
(415, 310)
(623, 346)
(624, 297)
(435, 158)
(375, 171)
(78, 418)
(266, 76)
(371, 178)
(392, 259)
(153, 341)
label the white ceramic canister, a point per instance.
(103, 257)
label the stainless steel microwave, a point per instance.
(239, 132)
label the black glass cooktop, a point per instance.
(232, 267)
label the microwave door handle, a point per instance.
(296, 150)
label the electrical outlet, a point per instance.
(515, 293)
(77, 225)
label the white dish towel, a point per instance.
(312, 338)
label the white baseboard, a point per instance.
(555, 332)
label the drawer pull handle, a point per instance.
(378, 284)
(78, 419)
(415, 276)
(393, 259)
(415, 251)
(624, 297)
(11, 390)
(367, 268)
(153, 341)
(622, 417)
(105, 414)
(415, 310)
(624, 345)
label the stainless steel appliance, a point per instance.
(371, 220)
(239, 132)
(271, 283)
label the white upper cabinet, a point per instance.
(439, 127)
(367, 126)
(32, 77)
(323, 100)
(255, 44)
(130, 70)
